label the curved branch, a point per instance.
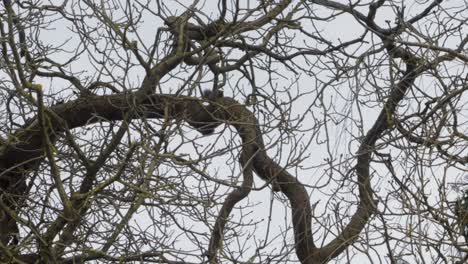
(367, 206)
(245, 124)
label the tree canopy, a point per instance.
(282, 131)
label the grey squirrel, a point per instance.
(205, 122)
(212, 94)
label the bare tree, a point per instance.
(233, 131)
